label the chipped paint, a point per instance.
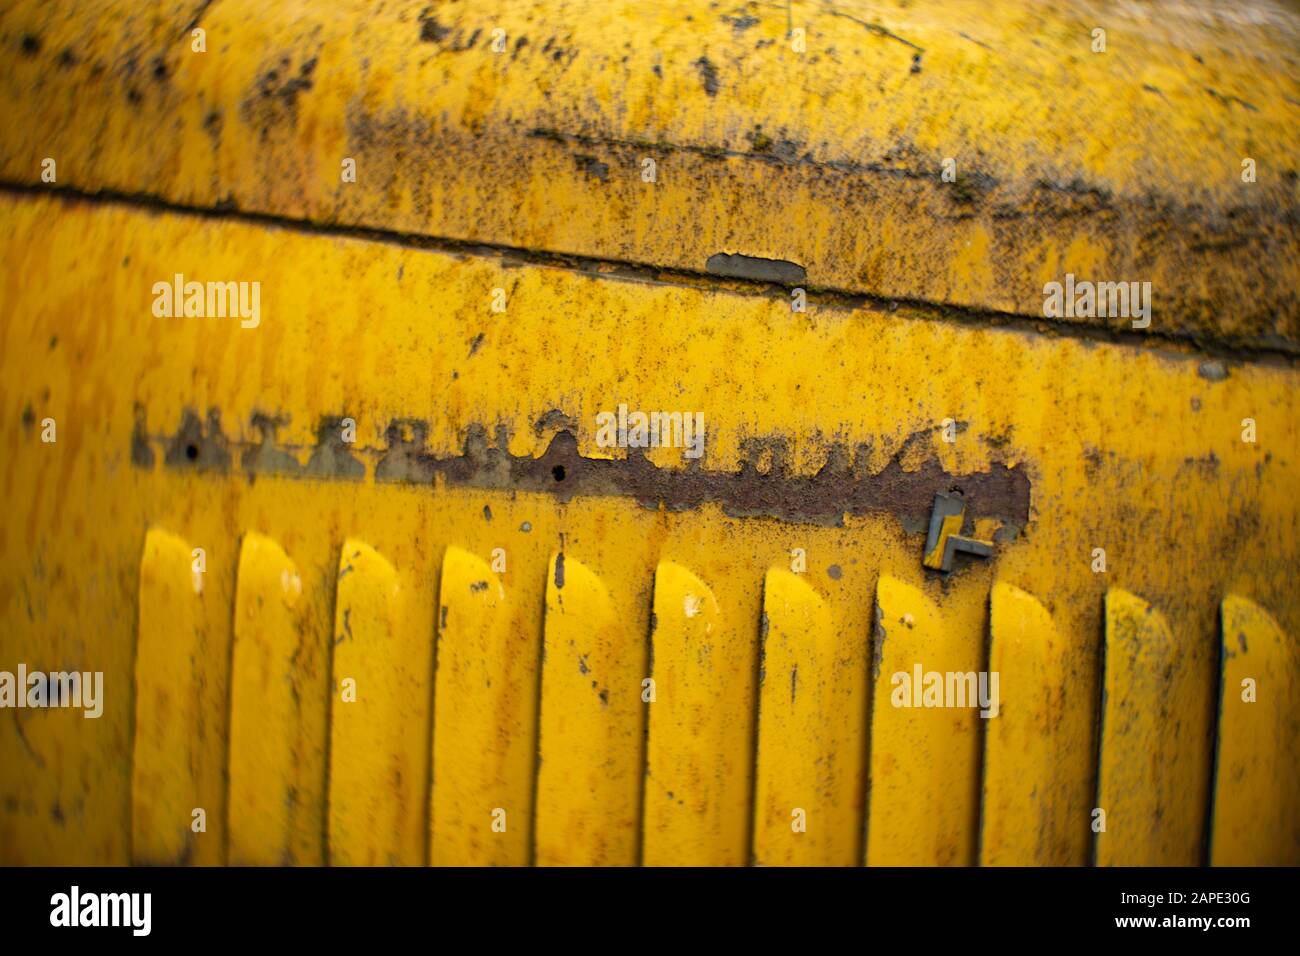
(763, 487)
(1067, 162)
(924, 305)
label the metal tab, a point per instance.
(945, 539)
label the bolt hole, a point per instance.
(558, 472)
(192, 452)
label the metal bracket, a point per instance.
(945, 539)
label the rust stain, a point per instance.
(763, 487)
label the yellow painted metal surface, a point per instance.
(485, 720)
(1123, 164)
(1059, 402)
(923, 801)
(1155, 729)
(279, 682)
(379, 716)
(475, 430)
(811, 730)
(1039, 752)
(697, 781)
(591, 737)
(1256, 818)
(176, 790)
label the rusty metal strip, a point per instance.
(763, 486)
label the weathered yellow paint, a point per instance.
(699, 764)
(383, 332)
(1154, 767)
(1256, 820)
(279, 688)
(811, 730)
(1124, 165)
(485, 706)
(177, 756)
(923, 802)
(1039, 752)
(591, 736)
(1111, 166)
(379, 739)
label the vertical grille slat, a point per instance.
(698, 764)
(1154, 768)
(592, 724)
(279, 689)
(379, 750)
(923, 801)
(811, 733)
(485, 719)
(177, 785)
(1257, 776)
(1039, 753)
